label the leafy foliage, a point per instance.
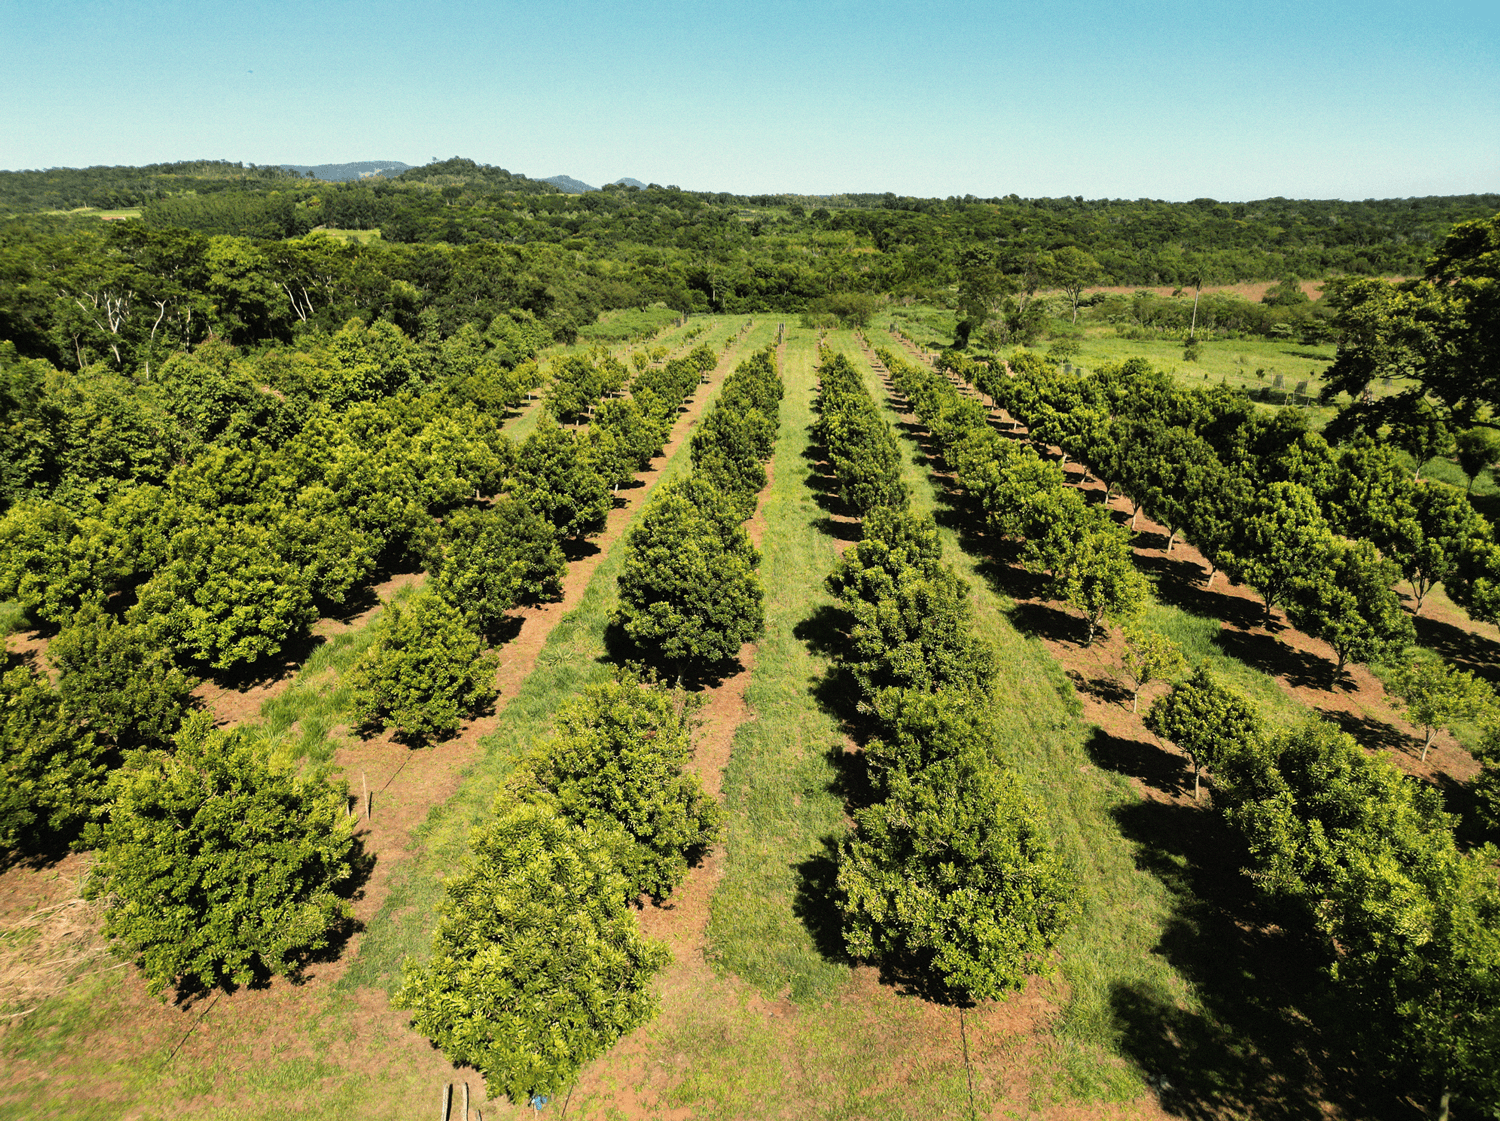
(217, 867)
(494, 559)
(425, 673)
(953, 872)
(614, 767)
(52, 774)
(537, 964)
(688, 587)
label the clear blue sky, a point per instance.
(1118, 99)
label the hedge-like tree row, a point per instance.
(538, 964)
(1325, 530)
(1362, 860)
(862, 450)
(689, 593)
(221, 565)
(949, 875)
(1084, 554)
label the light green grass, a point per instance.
(13, 618)
(778, 787)
(360, 237)
(629, 325)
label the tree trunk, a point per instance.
(1193, 330)
(1135, 698)
(1443, 1101)
(1213, 570)
(1195, 778)
(1171, 538)
(1135, 517)
(1427, 744)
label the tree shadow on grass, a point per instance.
(1477, 653)
(1370, 732)
(1269, 1040)
(816, 901)
(263, 671)
(621, 650)
(1300, 668)
(1142, 759)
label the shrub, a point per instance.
(952, 873)
(218, 867)
(495, 559)
(116, 682)
(615, 766)
(537, 964)
(51, 774)
(688, 587)
(425, 672)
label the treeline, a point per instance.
(1361, 862)
(949, 876)
(705, 251)
(538, 965)
(126, 297)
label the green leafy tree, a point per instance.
(1478, 449)
(537, 964)
(1098, 578)
(553, 476)
(1439, 696)
(1427, 536)
(1367, 859)
(953, 874)
(689, 592)
(52, 773)
(1207, 720)
(496, 558)
(615, 766)
(51, 561)
(425, 673)
(116, 682)
(1073, 270)
(1421, 433)
(1148, 656)
(1351, 604)
(1283, 537)
(218, 867)
(912, 621)
(223, 596)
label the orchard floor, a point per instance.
(761, 1014)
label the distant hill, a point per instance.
(628, 183)
(568, 185)
(361, 169)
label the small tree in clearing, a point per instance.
(1204, 719)
(1439, 696)
(1149, 656)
